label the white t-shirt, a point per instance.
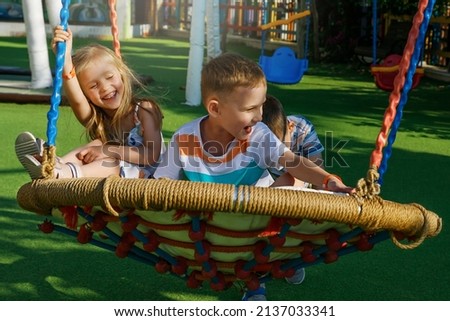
(244, 162)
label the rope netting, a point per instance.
(220, 232)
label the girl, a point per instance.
(125, 132)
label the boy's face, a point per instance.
(241, 110)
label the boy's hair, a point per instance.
(228, 71)
(274, 116)
(101, 126)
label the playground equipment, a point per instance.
(385, 73)
(223, 233)
(284, 67)
(393, 42)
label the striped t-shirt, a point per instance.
(244, 162)
(304, 139)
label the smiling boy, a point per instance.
(230, 144)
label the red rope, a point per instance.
(224, 232)
(114, 28)
(399, 82)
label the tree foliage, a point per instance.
(342, 22)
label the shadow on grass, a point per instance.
(37, 266)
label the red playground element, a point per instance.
(386, 72)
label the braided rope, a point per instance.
(48, 161)
(49, 153)
(402, 81)
(368, 187)
(113, 193)
(427, 231)
(217, 230)
(419, 29)
(55, 99)
(114, 27)
(308, 26)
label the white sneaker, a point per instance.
(26, 144)
(32, 166)
(297, 278)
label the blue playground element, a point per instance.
(283, 67)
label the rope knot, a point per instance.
(48, 161)
(368, 187)
(432, 226)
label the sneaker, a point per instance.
(26, 144)
(40, 142)
(256, 295)
(32, 166)
(297, 278)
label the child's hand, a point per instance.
(334, 183)
(91, 154)
(60, 35)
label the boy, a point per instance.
(296, 132)
(230, 144)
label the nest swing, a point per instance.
(221, 233)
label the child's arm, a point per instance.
(151, 121)
(72, 89)
(147, 154)
(304, 169)
(317, 159)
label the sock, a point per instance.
(68, 170)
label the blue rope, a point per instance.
(374, 31)
(387, 152)
(138, 254)
(55, 99)
(299, 263)
(263, 21)
(308, 22)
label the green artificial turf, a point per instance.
(347, 110)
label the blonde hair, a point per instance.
(101, 126)
(228, 71)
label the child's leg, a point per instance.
(100, 168)
(61, 170)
